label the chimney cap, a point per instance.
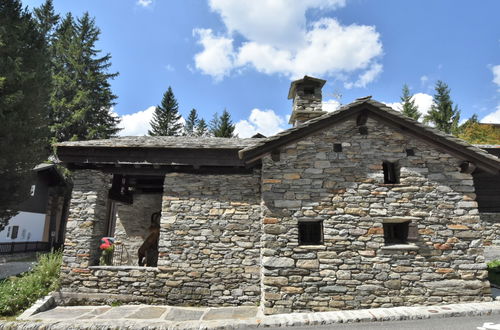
(306, 80)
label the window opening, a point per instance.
(15, 230)
(391, 174)
(311, 233)
(337, 147)
(410, 152)
(396, 233)
(308, 91)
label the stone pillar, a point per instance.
(87, 220)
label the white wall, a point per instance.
(31, 227)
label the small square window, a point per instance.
(396, 233)
(311, 233)
(337, 147)
(391, 172)
(410, 152)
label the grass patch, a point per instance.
(19, 293)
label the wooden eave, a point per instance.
(78, 155)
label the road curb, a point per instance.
(280, 320)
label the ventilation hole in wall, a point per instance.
(410, 152)
(337, 147)
(391, 172)
(311, 233)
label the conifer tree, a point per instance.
(222, 126)
(191, 123)
(166, 117)
(47, 20)
(24, 71)
(81, 99)
(202, 128)
(409, 108)
(443, 114)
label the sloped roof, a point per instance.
(450, 143)
(167, 142)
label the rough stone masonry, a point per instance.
(230, 234)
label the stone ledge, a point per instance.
(154, 269)
(405, 247)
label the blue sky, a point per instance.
(242, 55)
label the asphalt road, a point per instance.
(14, 268)
(451, 323)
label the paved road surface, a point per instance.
(451, 323)
(13, 268)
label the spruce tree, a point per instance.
(202, 128)
(47, 20)
(166, 118)
(24, 71)
(191, 123)
(443, 114)
(81, 98)
(222, 126)
(409, 108)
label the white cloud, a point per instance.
(272, 22)
(170, 68)
(424, 79)
(216, 59)
(144, 3)
(496, 74)
(367, 77)
(266, 122)
(492, 118)
(136, 123)
(277, 39)
(424, 102)
(330, 105)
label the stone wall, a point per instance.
(354, 268)
(85, 226)
(132, 224)
(209, 240)
(491, 235)
(209, 245)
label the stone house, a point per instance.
(357, 208)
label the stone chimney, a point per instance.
(307, 99)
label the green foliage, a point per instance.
(476, 133)
(201, 128)
(443, 114)
(18, 293)
(222, 126)
(191, 123)
(81, 97)
(166, 118)
(409, 108)
(24, 72)
(493, 264)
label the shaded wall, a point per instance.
(132, 225)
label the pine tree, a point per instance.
(222, 126)
(24, 71)
(409, 108)
(81, 98)
(47, 20)
(166, 118)
(443, 114)
(202, 128)
(191, 123)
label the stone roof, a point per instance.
(167, 142)
(265, 145)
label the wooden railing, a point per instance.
(19, 247)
